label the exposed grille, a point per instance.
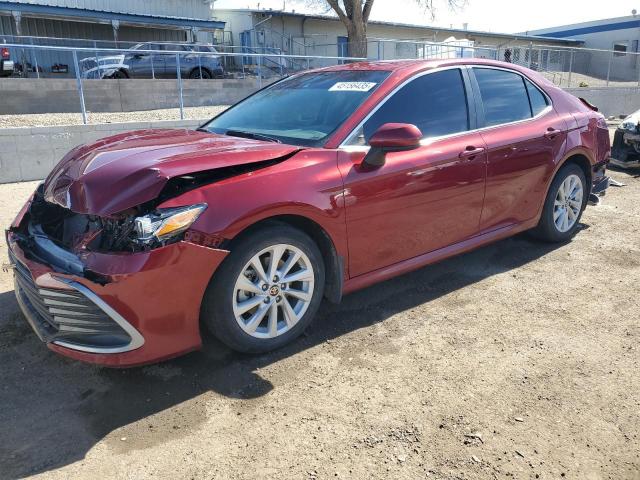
(66, 315)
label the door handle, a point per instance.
(551, 133)
(470, 153)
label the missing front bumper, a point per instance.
(72, 316)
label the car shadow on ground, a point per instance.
(54, 410)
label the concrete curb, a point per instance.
(29, 153)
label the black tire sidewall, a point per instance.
(196, 75)
(547, 229)
(217, 310)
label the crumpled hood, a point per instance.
(126, 170)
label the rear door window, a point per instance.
(504, 96)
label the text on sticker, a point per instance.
(352, 87)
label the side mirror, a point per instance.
(392, 137)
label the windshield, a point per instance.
(302, 110)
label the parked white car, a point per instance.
(625, 150)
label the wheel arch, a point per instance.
(581, 160)
(334, 263)
(578, 157)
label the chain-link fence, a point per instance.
(577, 67)
(177, 72)
(564, 66)
(173, 66)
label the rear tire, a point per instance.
(563, 207)
(196, 74)
(254, 307)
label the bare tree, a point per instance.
(354, 14)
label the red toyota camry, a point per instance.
(318, 185)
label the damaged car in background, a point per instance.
(318, 185)
(155, 60)
(625, 151)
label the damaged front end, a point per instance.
(65, 232)
(92, 286)
(44, 242)
(104, 259)
(625, 151)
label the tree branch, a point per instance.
(336, 8)
(366, 11)
(349, 7)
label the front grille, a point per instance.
(66, 315)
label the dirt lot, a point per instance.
(519, 360)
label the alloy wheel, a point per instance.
(568, 203)
(273, 291)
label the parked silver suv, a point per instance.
(140, 62)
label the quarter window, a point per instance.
(504, 96)
(536, 97)
(436, 103)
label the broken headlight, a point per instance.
(630, 126)
(166, 223)
(630, 123)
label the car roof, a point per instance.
(419, 64)
(401, 69)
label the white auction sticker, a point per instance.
(352, 87)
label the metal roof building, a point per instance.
(308, 34)
(117, 20)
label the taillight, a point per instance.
(602, 122)
(5, 52)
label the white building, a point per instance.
(302, 34)
(620, 36)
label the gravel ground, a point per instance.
(55, 119)
(518, 360)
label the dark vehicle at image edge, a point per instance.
(6, 64)
(321, 184)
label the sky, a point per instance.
(486, 15)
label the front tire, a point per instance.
(118, 75)
(563, 207)
(267, 290)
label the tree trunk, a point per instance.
(357, 34)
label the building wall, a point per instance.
(68, 33)
(604, 35)
(623, 66)
(176, 8)
(63, 29)
(297, 35)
